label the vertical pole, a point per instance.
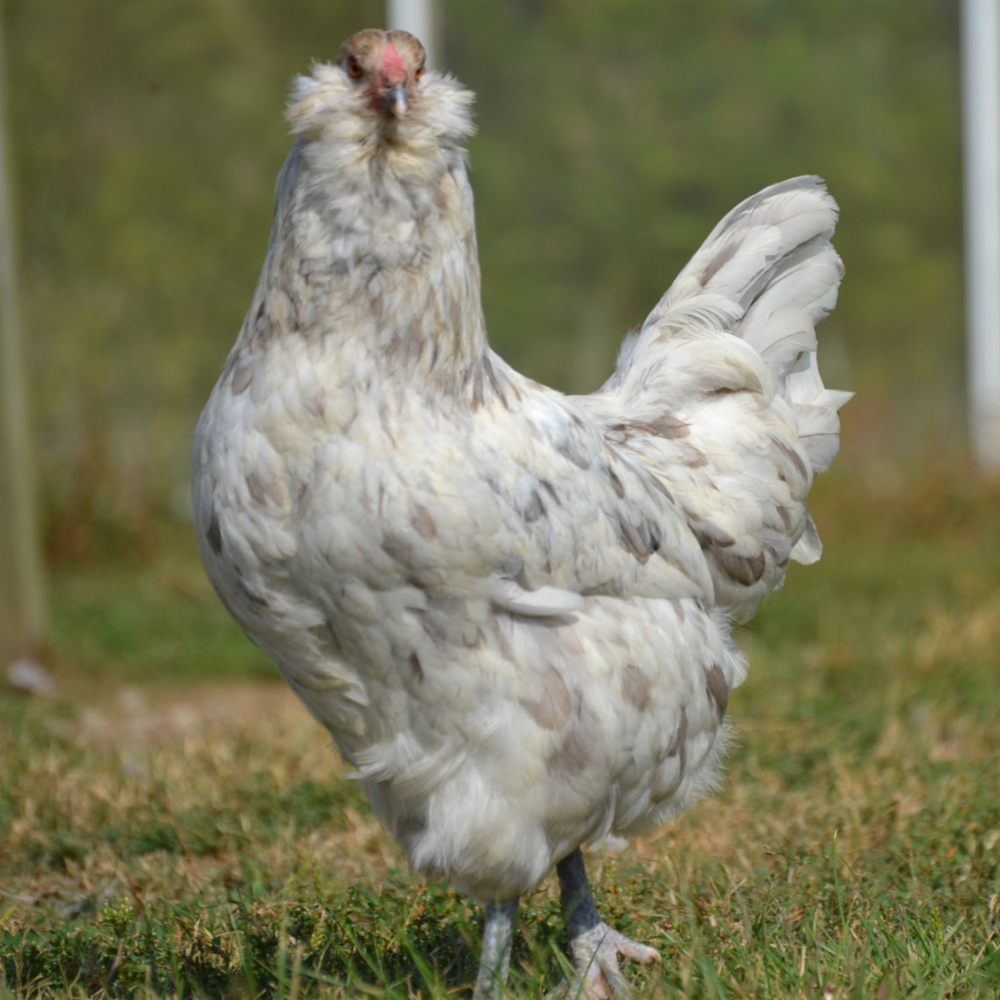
(981, 136)
(18, 514)
(418, 18)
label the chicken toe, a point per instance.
(595, 955)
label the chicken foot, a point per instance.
(593, 946)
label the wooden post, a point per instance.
(23, 584)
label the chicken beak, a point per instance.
(397, 100)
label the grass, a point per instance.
(173, 824)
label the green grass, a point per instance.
(173, 824)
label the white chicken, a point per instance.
(510, 608)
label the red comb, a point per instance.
(392, 66)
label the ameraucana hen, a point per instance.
(510, 608)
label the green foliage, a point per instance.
(116, 616)
(611, 138)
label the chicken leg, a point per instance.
(498, 936)
(594, 947)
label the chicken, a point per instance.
(511, 608)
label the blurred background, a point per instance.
(146, 138)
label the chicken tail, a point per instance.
(772, 273)
(719, 393)
(772, 256)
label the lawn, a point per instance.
(172, 823)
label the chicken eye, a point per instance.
(354, 70)
(419, 73)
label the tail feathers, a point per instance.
(815, 408)
(795, 293)
(727, 361)
(768, 274)
(758, 242)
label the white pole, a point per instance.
(416, 17)
(981, 132)
(20, 519)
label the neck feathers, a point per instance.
(373, 243)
